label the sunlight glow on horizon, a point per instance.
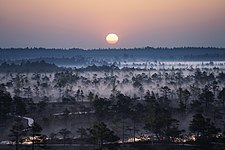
(79, 23)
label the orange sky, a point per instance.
(85, 23)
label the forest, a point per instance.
(86, 57)
(155, 105)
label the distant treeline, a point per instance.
(146, 53)
(27, 66)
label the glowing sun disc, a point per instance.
(112, 38)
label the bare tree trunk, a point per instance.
(134, 131)
(33, 142)
(123, 131)
(17, 143)
(64, 141)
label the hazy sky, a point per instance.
(85, 23)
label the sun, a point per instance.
(112, 38)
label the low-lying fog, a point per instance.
(131, 83)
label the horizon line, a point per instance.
(111, 48)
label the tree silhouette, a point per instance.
(100, 133)
(17, 131)
(90, 97)
(19, 106)
(64, 133)
(183, 96)
(206, 97)
(203, 127)
(123, 109)
(102, 108)
(5, 104)
(221, 96)
(82, 132)
(35, 130)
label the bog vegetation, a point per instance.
(108, 106)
